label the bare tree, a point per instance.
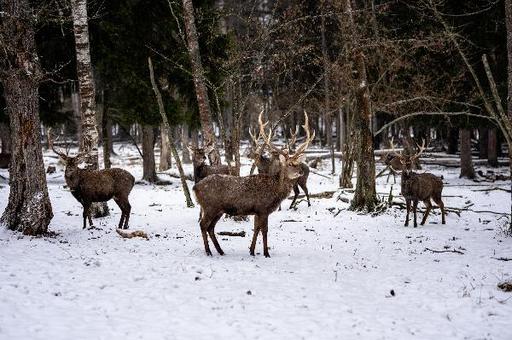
(88, 128)
(168, 132)
(466, 163)
(29, 209)
(199, 79)
(148, 154)
(165, 156)
(365, 197)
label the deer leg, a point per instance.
(211, 232)
(296, 192)
(118, 202)
(306, 191)
(440, 203)
(205, 223)
(128, 210)
(264, 230)
(414, 208)
(429, 206)
(86, 214)
(255, 235)
(408, 205)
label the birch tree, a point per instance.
(29, 209)
(199, 81)
(88, 128)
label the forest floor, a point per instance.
(333, 273)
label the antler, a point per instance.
(420, 148)
(50, 143)
(267, 139)
(393, 147)
(293, 137)
(309, 137)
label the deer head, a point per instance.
(71, 162)
(199, 155)
(289, 165)
(407, 161)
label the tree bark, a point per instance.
(148, 154)
(165, 156)
(5, 138)
(466, 162)
(365, 196)
(29, 209)
(106, 127)
(199, 80)
(483, 142)
(185, 141)
(88, 128)
(508, 16)
(453, 137)
(492, 148)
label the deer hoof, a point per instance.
(267, 255)
(208, 253)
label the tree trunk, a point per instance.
(167, 129)
(508, 15)
(453, 138)
(88, 128)
(483, 142)
(466, 162)
(199, 81)
(492, 148)
(148, 154)
(165, 156)
(185, 141)
(5, 138)
(29, 209)
(106, 134)
(365, 196)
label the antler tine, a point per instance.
(309, 137)
(50, 144)
(293, 137)
(421, 148)
(393, 147)
(267, 138)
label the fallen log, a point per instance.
(232, 233)
(132, 233)
(445, 251)
(325, 194)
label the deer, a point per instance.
(89, 186)
(419, 187)
(263, 163)
(393, 162)
(257, 195)
(201, 169)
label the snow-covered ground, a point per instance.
(332, 274)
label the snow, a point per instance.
(329, 276)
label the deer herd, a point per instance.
(219, 190)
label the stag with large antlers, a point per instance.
(419, 187)
(257, 195)
(89, 186)
(263, 163)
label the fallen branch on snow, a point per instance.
(502, 258)
(492, 189)
(232, 233)
(325, 194)
(445, 251)
(132, 233)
